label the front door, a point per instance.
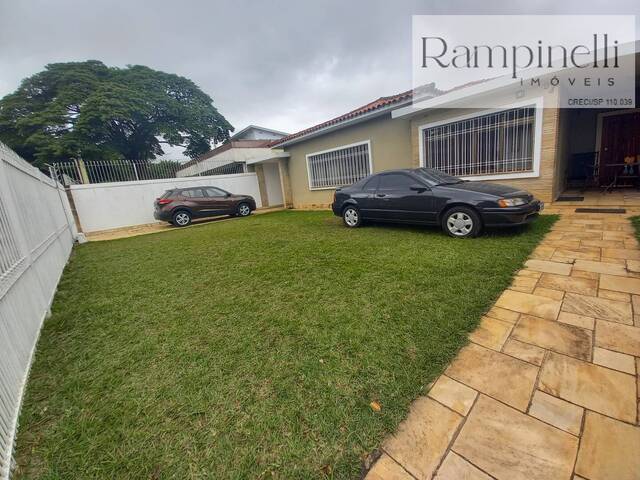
(619, 145)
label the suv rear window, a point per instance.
(167, 194)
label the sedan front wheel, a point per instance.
(351, 217)
(461, 222)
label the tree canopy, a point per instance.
(89, 110)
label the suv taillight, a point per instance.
(164, 201)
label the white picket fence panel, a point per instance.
(36, 236)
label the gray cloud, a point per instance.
(281, 64)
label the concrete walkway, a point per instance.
(548, 388)
(157, 227)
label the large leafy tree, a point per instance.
(89, 110)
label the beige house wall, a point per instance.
(390, 148)
(395, 144)
(545, 186)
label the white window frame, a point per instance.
(341, 147)
(537, 103)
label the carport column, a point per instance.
(285, 182)
(262, 185)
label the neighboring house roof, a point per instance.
(227, 146)
(255, 128)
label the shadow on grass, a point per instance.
(493, 232)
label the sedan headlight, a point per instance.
(511, 202)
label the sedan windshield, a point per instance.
(436, 177)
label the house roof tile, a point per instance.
(372, 106)
(369, 107)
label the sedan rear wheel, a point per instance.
(351, 217)
(244, 210)
(461, 222)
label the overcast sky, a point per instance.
(285, 65)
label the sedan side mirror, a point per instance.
(418, 188)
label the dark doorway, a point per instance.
(620, 147)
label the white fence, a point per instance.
(104, 206)
(36, 236)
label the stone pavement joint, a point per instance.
(549, 385)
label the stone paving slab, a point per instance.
(524, 351)
(619, 338)
(594, 387)
(386, 468)
(555, 336)
(585, 286)
(576, 320)
(549, 386)
(510, 445)
(617, 361)
(455, 467)
(530, 304)
(620, 284)
(491, 333)
(609, 450)
(423, 437)
(501, 376)
(455, 395)
(611, 310)
(556, 412)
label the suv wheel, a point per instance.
(181, 218)
(461, 222)
(244, 210)
(351, 217)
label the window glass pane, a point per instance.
(214, 192)
(395, 181)
(500, 142)
(193, 193)
(339, 167)
(372, 184)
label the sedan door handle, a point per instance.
(381, 194)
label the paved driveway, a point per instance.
(548, 387)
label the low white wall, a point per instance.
(103, 206)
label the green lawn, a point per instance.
(251, 348)
(635, 222)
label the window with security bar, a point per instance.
(339, 167)
(492, 144)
